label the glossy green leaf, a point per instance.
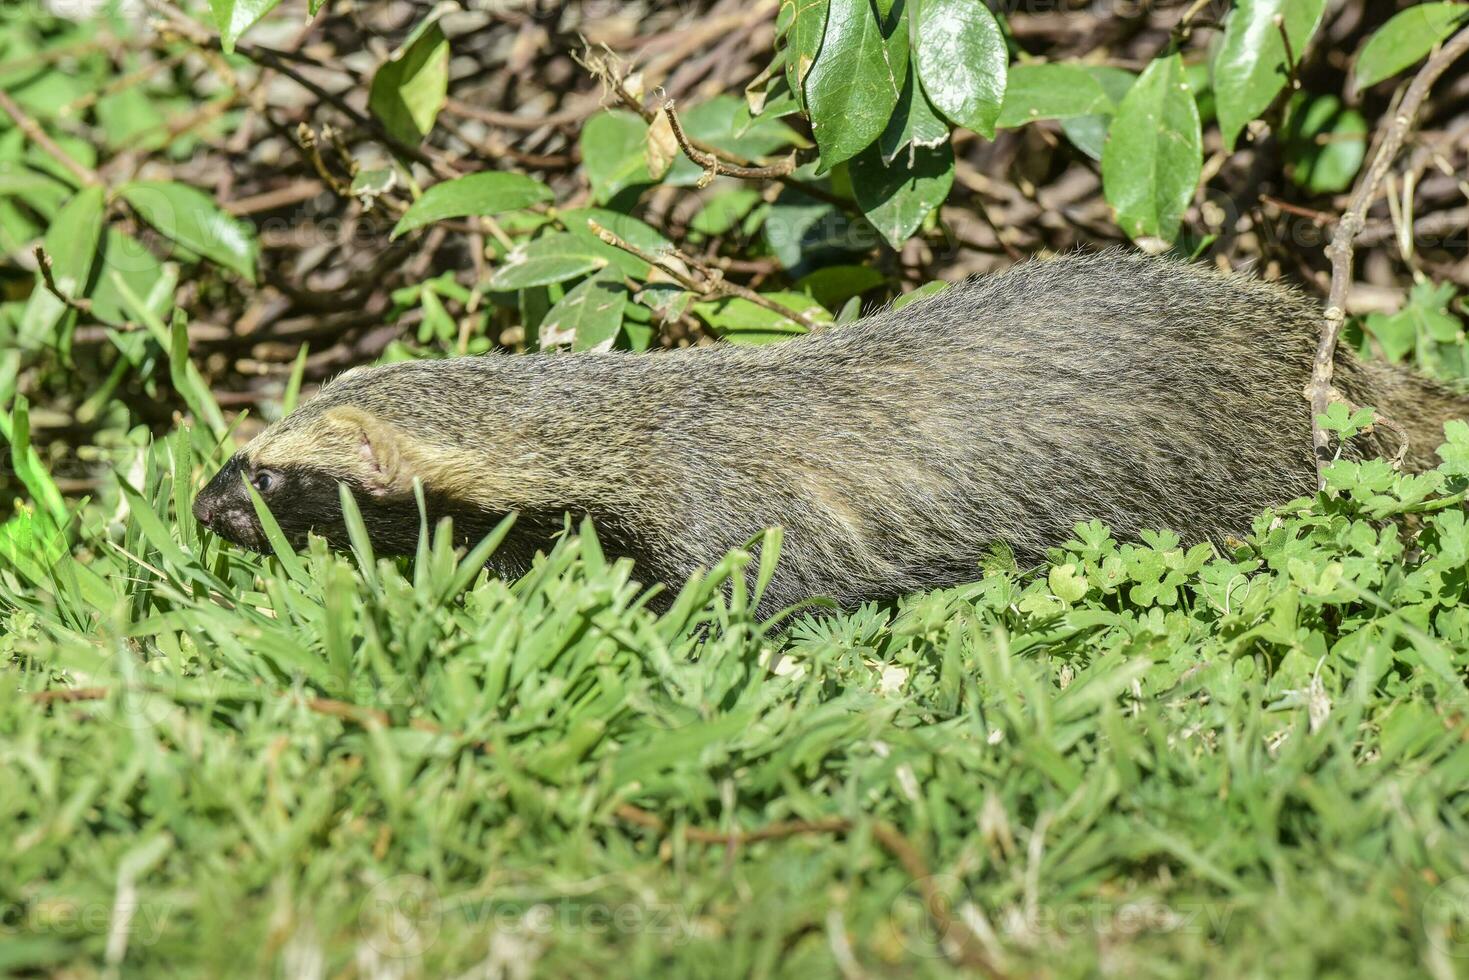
(409, 89)
(722, 211)
(1407, 38)
(921, 293)
(612, 152)
(897, 197)
(21, 181)
(71, 242)
(854, 85)
(556, 257)
(804, 232)
(624, 226)
(1153, 156)
(489, 192)
(190, 217)
(1250, 67)
(1325, 143)
(914, 121)
(588, 317)
(743, 322)
(1089, 133)
(667, 301)
(235, 17)
(834, 285)
(806, 20)
(1051, 91)
(962, 61)
(129, 259)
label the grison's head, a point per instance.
(343, 436)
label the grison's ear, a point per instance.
(378, 448)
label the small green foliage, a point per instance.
(486, 193)
(1406, 38)
(1154, 154)
(1253, 64)
(409, 88)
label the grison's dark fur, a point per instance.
(893, 452)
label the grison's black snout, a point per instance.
(224, 507)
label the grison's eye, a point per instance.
(265, 480)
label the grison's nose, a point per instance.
(203, 510)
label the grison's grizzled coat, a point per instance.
(893, 451)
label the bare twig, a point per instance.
(713, 166)
(296, 193)
(37, 135)
(1291, 68)
(43, 262)
(1343, 239)
(697, 277)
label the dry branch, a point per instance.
(1397, 127)
(709, 282)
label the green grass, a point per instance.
(1139, 760)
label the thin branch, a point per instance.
(605, 69)
(709, 281)
(37, 135)
(1343, 239)
(1183, 29)
(1291, 68)
(713, 166)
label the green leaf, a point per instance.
(555, 257)
(914, 121)
(21, 181)
(612, 152)
(588, 317)
(235, 17)
(71, 242)
(1325, 143)
(409, 89)
(129, 259)
(1405, 39)
(807, 26)
(488, 192)
(624, 226)
(743, 322)
(1250, 67)
(665, 300)
(836, 284)
(723, 211)
(189, 217)
(922, 292)
(1051, 91)
(1089, 133)
(1153, 156)
(26, 464)
(962, 61)
(1425, 318)
(897, 197)
(854, 85)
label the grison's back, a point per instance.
(1143, 393)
